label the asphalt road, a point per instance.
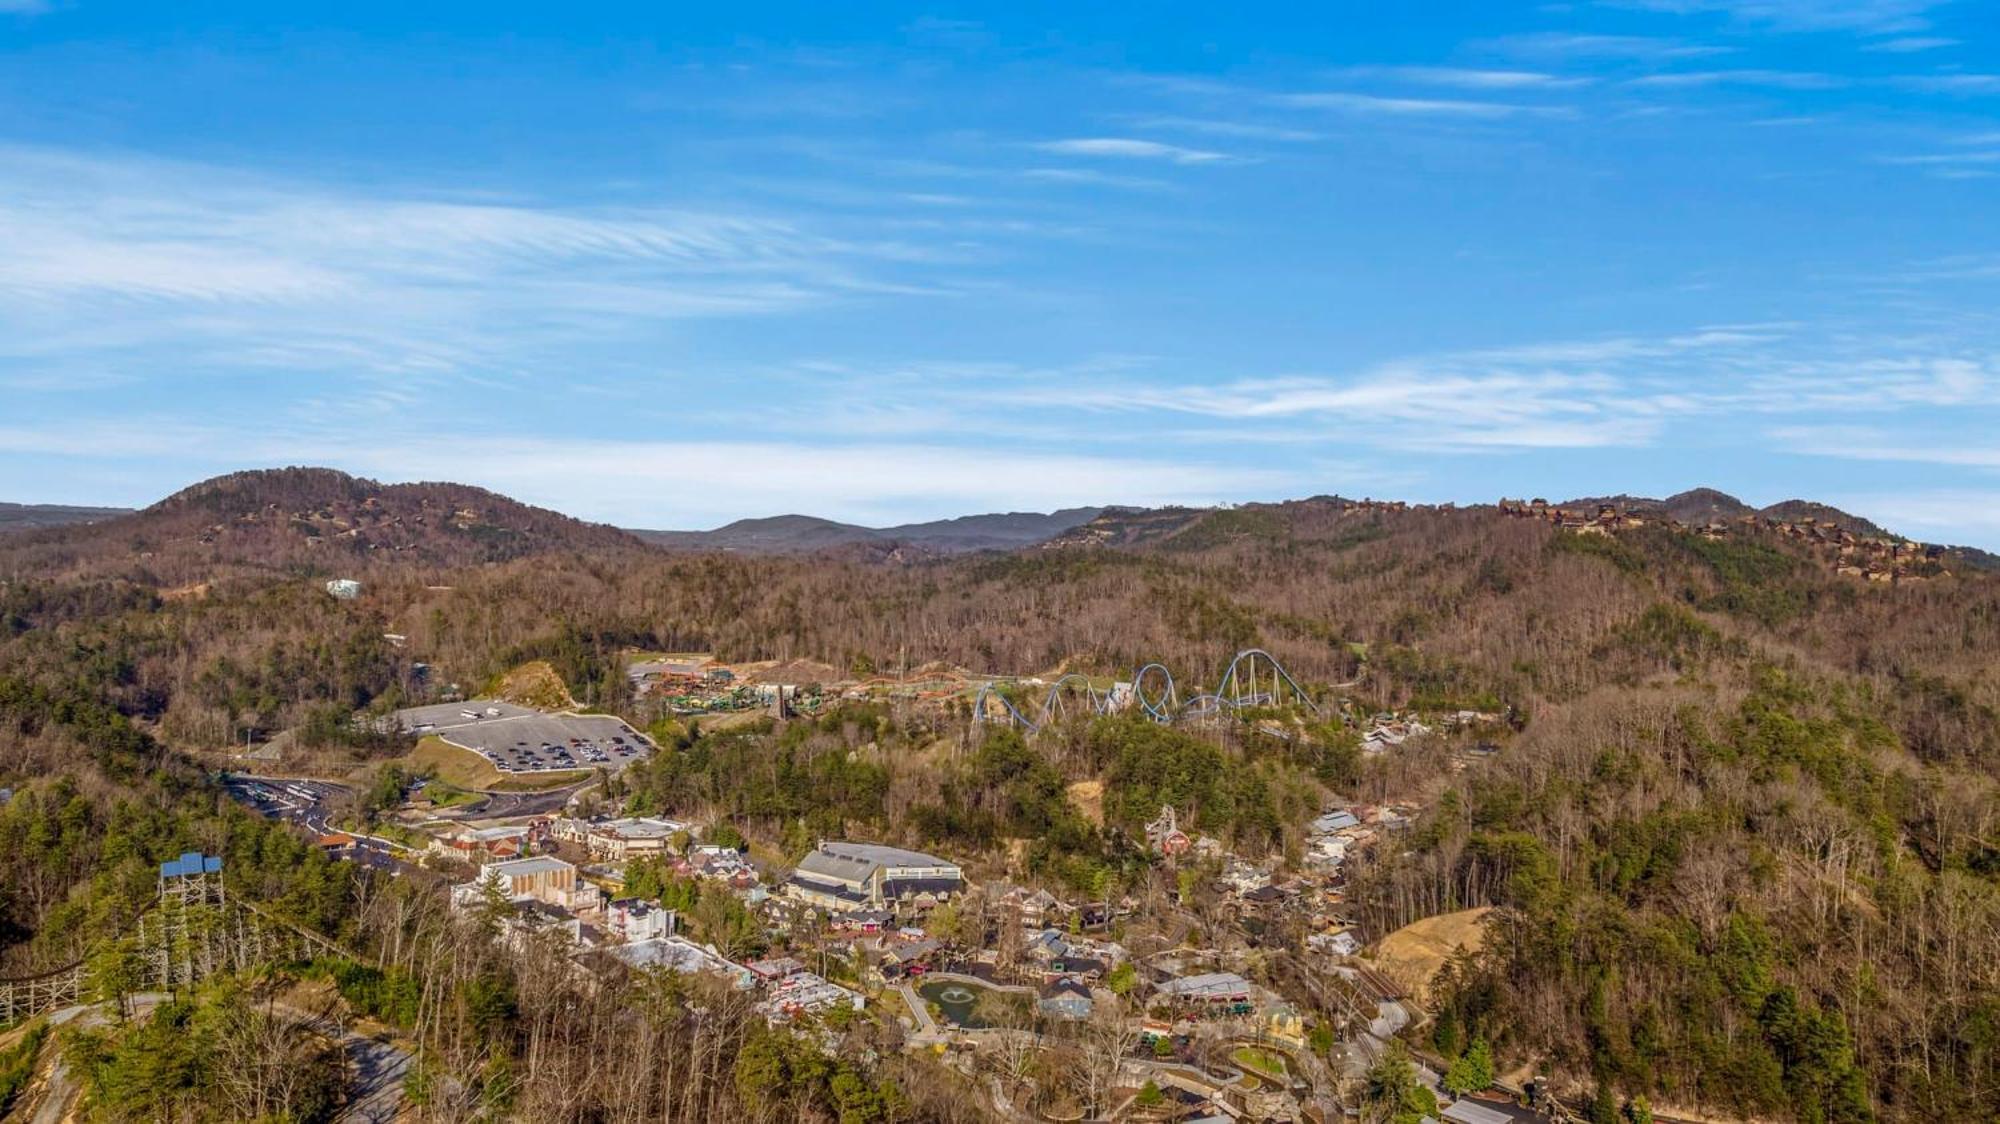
(500, 805)
(305, 804)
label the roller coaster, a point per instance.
(1254, 678)
(193, 930)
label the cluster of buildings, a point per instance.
(1869, 557)
(549, 894)
(695, 685)
(1607, 517)
(690, 685)
(1331, 839)
(869, 907)
(790, 990)
(622, 840)
(1184, 988)
(476, 844)
(1387, 731)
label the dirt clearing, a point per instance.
(534, 684)
(1413, 954)
(1088, 796)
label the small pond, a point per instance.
(968, 1004)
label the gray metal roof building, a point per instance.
(842, 876)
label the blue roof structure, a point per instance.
(190, 862)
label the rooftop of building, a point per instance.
(675, 954)
(857, 862)
(1208, 983)
(638, 827)
(521, 868)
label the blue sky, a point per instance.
(668, 265)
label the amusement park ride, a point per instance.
(1254, 678)
(192, 930)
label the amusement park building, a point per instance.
(849, 876)
(543, 879)
(621, 840)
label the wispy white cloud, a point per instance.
(1244, 130)
(1777, 79)
(1092, 177)
(1967, 84)
(1929, 513)
(1910, 44)
(1935, 159)
(1606, 392)
(1349, 102)
(1414, 407)
(1868, 16)
(1874, 443)
(1132, 148)
(1468, 78)
(1951, 267)
(1556, 45)
(197, 269)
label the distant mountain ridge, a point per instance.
(1698, 506)
(321, 519)
(35, 516)
(804, 534)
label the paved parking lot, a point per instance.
(439, 717)
(304, 804)
(518, 740)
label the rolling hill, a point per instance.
(1698, 506)
(35, 516)
(311, 520)
(804, 534)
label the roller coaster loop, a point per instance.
(1254, 678)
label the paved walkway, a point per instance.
(379, 1072)
(375, 1089)
(927, 1027)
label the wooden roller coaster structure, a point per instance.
(192, 930)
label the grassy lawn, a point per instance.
(442, 795)
(464, 769)
(1266, 1062)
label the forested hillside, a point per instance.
(303, 520)
(1744, 828)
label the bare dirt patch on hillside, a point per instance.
(1413, 955)
(1088, 796)
(534, 684)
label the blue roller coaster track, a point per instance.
(1254, 678)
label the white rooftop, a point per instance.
(519, 868)
(488, 834)
(675, 954)
(639, 827)
(1211, 983)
